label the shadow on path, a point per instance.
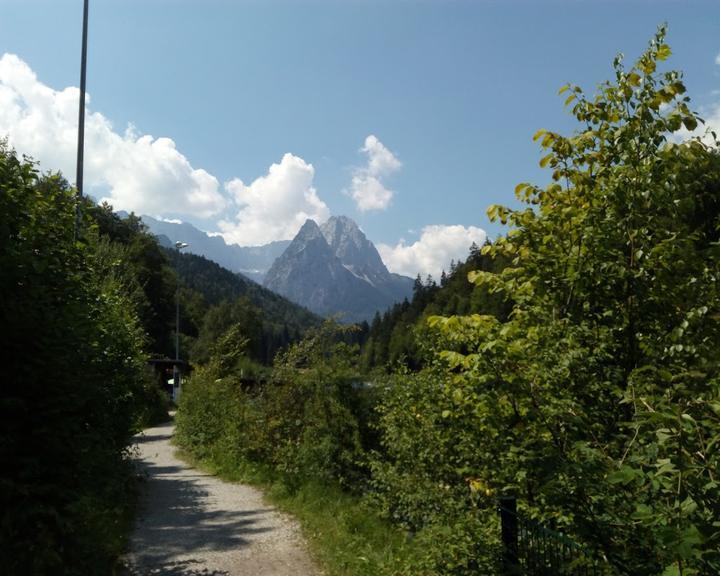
(183, 568)
(175, 520)
(190, 523)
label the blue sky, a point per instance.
(451, 91)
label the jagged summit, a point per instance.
(308, 231)
(355, 251)
(309, 239)
(335, 269)
(330, 269)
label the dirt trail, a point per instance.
(193, 524)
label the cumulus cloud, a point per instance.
(717, 59)
(274, 206)
(367, 188)
(432, 253)
(134, 172)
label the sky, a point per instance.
(247, 117)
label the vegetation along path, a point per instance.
(191, 523)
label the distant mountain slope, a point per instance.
(251, 261)
(216, 284)
(336, 270)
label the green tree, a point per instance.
(73, 380)
(599, 395)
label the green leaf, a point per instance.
(688, 418)
(663, 52)
(633, 79)
(545, 160)
(663, 434)
(625, 475)
(538, 134)
(492, 212)
(690, 123)
(648, 66)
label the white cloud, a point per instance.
(135, 172)
(367, 188)
(274, 206)
(717, 59)
(432, 253)
(369, 193)
(380, 160)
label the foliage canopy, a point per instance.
(599, 394)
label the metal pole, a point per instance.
(177, 321)
(176, 372)
(507, 507)
(81, 120)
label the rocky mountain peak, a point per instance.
(309, 241)
(309, 231)
(334, 268)
(354, 250)
(341, 227)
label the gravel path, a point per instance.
(193, 524)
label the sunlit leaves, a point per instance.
(611, 347)
(663, 52)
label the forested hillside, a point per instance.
(572, 366)
(213, 298)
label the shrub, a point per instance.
(72, 385)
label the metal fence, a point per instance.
(530, 549)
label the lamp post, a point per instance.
(176, 373)
(81, 120)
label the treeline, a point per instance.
(394, 338)
(584, 382)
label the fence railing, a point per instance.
(531, 549)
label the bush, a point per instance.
(426, 475)
(72, 385)
(302, 423)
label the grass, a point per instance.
(345, 535)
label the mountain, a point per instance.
(251, 261)
(354, 250)
(336, 270)
(360, 257)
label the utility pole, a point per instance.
(176, 372)
(81, 120)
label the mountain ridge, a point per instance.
(250, 261)
(334, 269)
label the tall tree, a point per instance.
(598, 398)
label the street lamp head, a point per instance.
(180, 245)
